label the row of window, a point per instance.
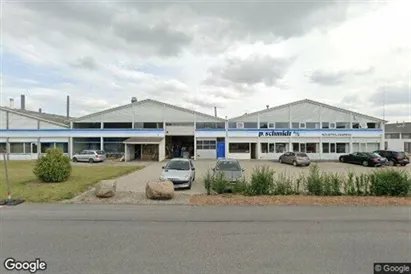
(397, 135)
(302, 125)
(206, 144)
(27, 148)
(152, 125)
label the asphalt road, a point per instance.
(183, 239)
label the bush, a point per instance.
(314, 183)
(241, 187)
(390, 182)
(284, 186)
(220, 184)
(262, 181)
(208, 182)
(52, 167)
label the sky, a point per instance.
(238, 56)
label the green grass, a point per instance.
(24, 185)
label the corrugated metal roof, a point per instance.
(143, 140)
(53, 118)
(398, 128)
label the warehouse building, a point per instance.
(398, 137)
(153, 130)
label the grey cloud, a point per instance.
(253, 70)
(333, 78)
(87, 62)
(391, 95)
(208, 104)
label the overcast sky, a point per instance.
(239, 56)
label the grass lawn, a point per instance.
(24, 185)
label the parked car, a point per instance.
(180, 171)
(230, 168)
(363, 158)
(295, 159)
(90, 156)
(394, 157)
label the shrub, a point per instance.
(284, 186)
(54, 166)
(390, 182)
(262, 181)
(220, 184)
(314, 184)
(208, 182)
(331, 184)
(241, 187)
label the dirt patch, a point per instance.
(298, 200)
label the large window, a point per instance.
(210, 125)
(63, 146)
(392, 136)
(406, 136)
(271, 148)
(335, 147)
(280, 147)
(312, 147)
(239, 147)
(45, 146)
(312, 125)
(3, 147)
(206, 144)
(282, 125)
(264, 147)
(16, 147)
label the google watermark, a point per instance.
(392, 268)
(35, 266)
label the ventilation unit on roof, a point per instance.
(133, 99)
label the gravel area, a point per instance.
(298, 200)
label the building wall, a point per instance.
(162, 150)
(397, 144)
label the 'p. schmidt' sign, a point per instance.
(278, 133)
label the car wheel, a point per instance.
(342, 159)
(365, 163)
(280, 160)
(91, 161)
(75, 160)
(294, 163)
(191, 183)
(391, 163)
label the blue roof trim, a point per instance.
(305, 130)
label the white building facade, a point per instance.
(152, 130)
(398, 137)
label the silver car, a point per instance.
(230, 169)
(181, 172)
(295, 158)
(90, 156)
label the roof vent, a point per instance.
(267, 106)
(11, 103)
(133, 99)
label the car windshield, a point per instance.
(100, 152)
(372, 155)
(301, 155)
(178, 165)
(376, 154)
(228, 166)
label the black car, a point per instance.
(363, 158)
(394, 157)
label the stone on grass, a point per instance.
(160, 190)
(106, 189)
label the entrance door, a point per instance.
(220, 150)
(137, 152)
(253, 150)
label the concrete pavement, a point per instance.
(184, 239)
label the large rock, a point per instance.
(106, 189)
(160, 190)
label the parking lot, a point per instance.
(136, 181)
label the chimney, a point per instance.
(133, 100)
(40, 110)
(68, 107)
(267, 106)
(23, 102)
(11, 103)
(215, 111)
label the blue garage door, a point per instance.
(221, 150)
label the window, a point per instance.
(271, 125)
(16, 148)
(33, 148)
(63, 146)
(371, 125)
(3, 147)
(45, 146)
(326, 148)
(332, 148)
(280, 147)
(296, 147)
(392, 135)
(332, 125)
(299, 147)
(325, 125)
(210, 125)
(407, 147)
(264, 147)
(355, 125)
(342, 125)
(302, 125)
(282, 125)
(312, 147)
(206, 144)
(312, 125)
(27, 147)
(271, 148)
(238, 147)
(335, 147)
(250, 125)
(406, 136)
(263, 125)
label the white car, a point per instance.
(181, 172)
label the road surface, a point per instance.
(160, 239)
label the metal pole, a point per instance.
(6, 169)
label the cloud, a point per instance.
(86, 63)
(393, 94)
(331, 78)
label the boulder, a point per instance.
(106, 189)
(160, 190)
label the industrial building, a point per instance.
(398, 137)
(153, 130)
